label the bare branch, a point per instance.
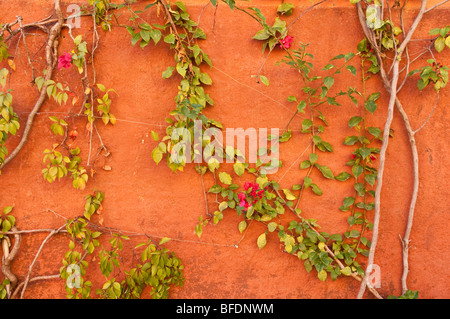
(7, 260)
(30, 269)
(392, 103)
(435, 6)
(51, 59)
(429, 116)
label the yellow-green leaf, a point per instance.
(439, 44)
(164, 240)
(261, 241)
(239, 168)
(288, 194)
(225, 178)
(242, 226)
(322, 275)
(272, 226)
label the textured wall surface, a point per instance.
(145, 198)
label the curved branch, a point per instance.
(53, 232)
(57, 276)
(7, 260)
(391, 86)
(51, 59)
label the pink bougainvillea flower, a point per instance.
(353, 156)
(65, 61)
(242, 201)
(254, 191)
(286, 42)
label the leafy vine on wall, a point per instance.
(249, 192)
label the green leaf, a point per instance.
(272, 226)
(435, 31)
(285, 8)
(349, 201)
(301, 107)
(313, 158)
(371, 179)
(326, 172)
(346, 271)
(307, 181)
(164, 240)
(350, 140)
(225, 178)
(447, 41)
(343, 176)
(181, 70)
(439, 44)
(357, 170)
(261, 35)
(421, 84)
(168, 72)
(216, 189)
(145, 35)
(353, 234)
(101, 87)
(264, 80)
(354, 121)
(239, 168)
(155, 136)
(322, 275)
(223, 206)
(375, 131)
(288, 194)
(328, 81)
(306, 124)
(157, 155)
(335, 237)
(261, 241)
(352, 69)
(170, 38)
(155, 35)
(7, 210)
(242, 226)
(370, 106)
(316, 189)
(205, 79)
(305, 164)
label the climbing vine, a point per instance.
(248, 190)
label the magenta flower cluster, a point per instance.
(255, 195)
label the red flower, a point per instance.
(73, 134)
(254, 191)
(65, 61)
(353, 156)
(373, 157)
(286, 42)
(242, 201)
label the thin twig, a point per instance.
(38, 278)
(429, 116)
(436, 5)
(30, 269)
(33, 71)
(204, 191)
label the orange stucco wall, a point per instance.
(144, 198)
